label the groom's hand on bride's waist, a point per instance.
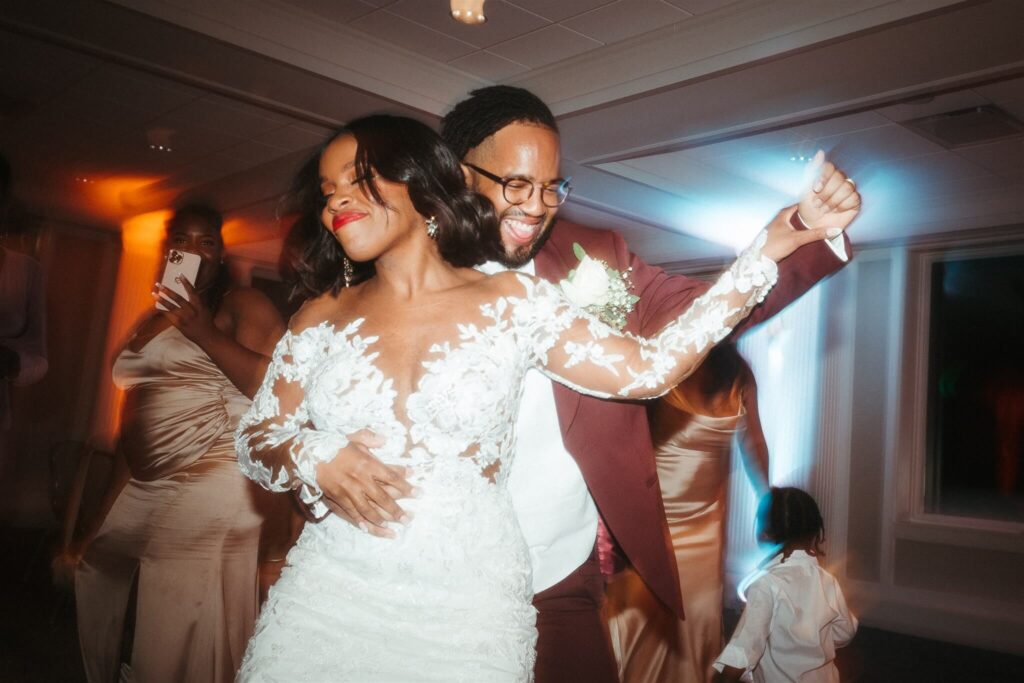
(361, 489)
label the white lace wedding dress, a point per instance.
(449, 599)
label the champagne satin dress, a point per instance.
(651, 644)
(186, 523)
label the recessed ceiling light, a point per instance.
(160, 148)
(468, 11)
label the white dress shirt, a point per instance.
(555, 510)
(838, 246)
(794, 620)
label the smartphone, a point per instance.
(183, 264)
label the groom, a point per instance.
(579, 459)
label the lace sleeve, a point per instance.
(578, 350)
(277, 445)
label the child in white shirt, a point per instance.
(796, 615)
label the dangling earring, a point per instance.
(348, 272)
(432, 228)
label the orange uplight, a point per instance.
(141, 238)
(234, 232)
(113, 194)
(239, 231)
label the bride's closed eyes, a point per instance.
(327, 189)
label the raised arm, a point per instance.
(832, 202)
(578, 350)
(240, 343)
(277, 445)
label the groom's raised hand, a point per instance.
(361, 489)
(832, 201)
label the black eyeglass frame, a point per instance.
(533, 186)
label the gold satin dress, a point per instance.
(186, 523)
(651, 644)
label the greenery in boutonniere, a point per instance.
(599, 289)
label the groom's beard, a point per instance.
(517, 255)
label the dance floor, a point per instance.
(38, 643)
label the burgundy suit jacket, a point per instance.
(610, 440)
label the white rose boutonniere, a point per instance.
(599, 289)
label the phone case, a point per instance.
(179, 263)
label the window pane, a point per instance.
(976, 389)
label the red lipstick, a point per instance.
(343, 219)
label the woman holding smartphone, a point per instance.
(183, 519)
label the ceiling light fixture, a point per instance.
(159, 139)
(468, 11)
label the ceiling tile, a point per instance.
(673, 173)
(413, 36)
(335, 10)
(29, 66)
(840, 125)
(208, 169)
(966, 187)
(999, 157)
(218, 113)
(855, 150)
(292, 138)
(805, 139)
(253, 153)
(504, 21)
(921, 172)
(546, 46)
(745, 145)
(851, 150)
(134, 89)
(19, 50)
(1003, 91)
(191, 141)
(625, 19)
(125, 160)
(701, 6)
(563, 9)
(1014, 108)
(89, 108)
(488, 65)
(939, 104)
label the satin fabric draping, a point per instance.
(651, 644)
(186, 523)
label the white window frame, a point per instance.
(913, 522)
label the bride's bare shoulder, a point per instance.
(314, 311)
(510, 283)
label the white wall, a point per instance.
(845, 370)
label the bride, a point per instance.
(408, 340)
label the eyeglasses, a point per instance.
(518, 190)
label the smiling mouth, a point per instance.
(344, 219)
(519, 231)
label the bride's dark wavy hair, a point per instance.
(401, 150)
